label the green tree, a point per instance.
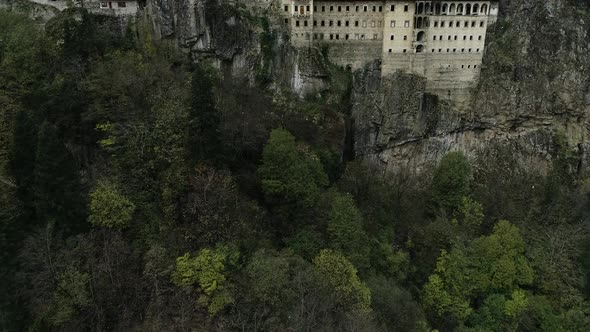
(340, 276)
(493, 264)
(451, 182)
(209, 269)
(204, 120)
(71, 295)
(345, 229)
(290, 173)
(108, 207)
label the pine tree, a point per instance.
(57, 189)
(203, 137)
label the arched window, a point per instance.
(467, 9)
(419, 23)
(420, 8)
(484, 9)
(419, 48)
(445, 9)
(437, 10)
(460, 9)
(475, 9)
(452, 9)
(420, 36)
(427, 8)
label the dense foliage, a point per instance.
(141, 191)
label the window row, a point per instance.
(449, 37)
(339, 23)
(452, 9)
(337, 36)
(306, 9)
(420, 49)
(466, 24)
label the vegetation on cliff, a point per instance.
(139, 191)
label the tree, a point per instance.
(57, 187)
(451, 182)
(209, 269)
(493, 264)
(203, 130)
(340, 277)
(290, 173)
(345, 229)
(108, 207)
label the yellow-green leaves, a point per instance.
(109, 207)
(339, 275)
(208, 270)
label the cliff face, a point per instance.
(242, 37)
(534, 87)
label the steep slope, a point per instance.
(533, 88)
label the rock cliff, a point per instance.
(534, 87)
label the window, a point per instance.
(296, 9)
(356, 23)
(346, 37)
(323, 8)
(436, 24)
(434, 38)
(464, 37)
(357, 9)
(439, 50)
(391, 37)
(365, 8)
(404, 50)
(479, 38)
(304, 23)
(448, 49)
(432, 50)
(364, 24)
(392, 24)
(307, 9)
(390, 50)
(466, 24)
(323, 23)
(472, 24)
(296, 23)
(474, 66)
(406, 7)
(338, 36)
(286, 21)
(470, 37)
(339, 8)
(104, 5)
(455, 37)
(363, 36)
(462, 50)
(406, 24)
(286, 8)
(121, 4)
(442, 24)
(405, 37)
(374, 8)
(380, 9)
(331, 23)
(315, 8)
(481, 24)
(451, 24)
(454, 50)
(477, 50)
(462, 66)
(347, 8)
(307, 36)
(375, 36)
(331, 36)
(392, 8)
(449, 38)
(346, 23)
(315, 23)
(315, 36)
(339, 23)
(331, 8)
(469, 50)
(372, 24)
(440, 37)
(356, 36)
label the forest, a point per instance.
(141, 191)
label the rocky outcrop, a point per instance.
(535, 86)
(243, 38)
